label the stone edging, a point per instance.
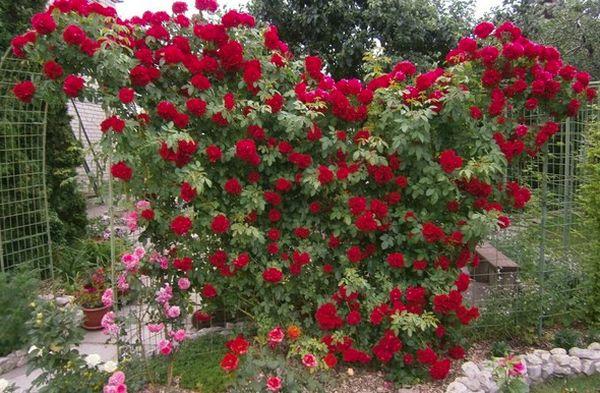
(541, 365)
(12, 360)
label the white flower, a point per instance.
(3, 384)
(93, 360)
(110, 367)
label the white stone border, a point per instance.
(541, 365)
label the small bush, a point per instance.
(17, 290)
(500, 349)
(567, 338)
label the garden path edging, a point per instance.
(541, 365)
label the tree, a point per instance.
(342, 31)
(573, 26)
(14, 18)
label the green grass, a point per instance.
(196, 365)
(582, 384)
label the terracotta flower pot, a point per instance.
(93, 317)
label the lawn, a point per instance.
(196, 366)
(582, 384)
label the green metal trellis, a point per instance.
(24, 223)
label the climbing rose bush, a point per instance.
(346, 208)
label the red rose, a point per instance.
(426, 356)
(73, 35)
(181, 225)
(219, 224)
(233, 187)
(230, 362)
(43, 23)
(148, 214)
(274, 384)
(330, 360)
(272, 275)
(354, 254)
(353, 318)
(121, 171)
(187, 192)
(440, 369)
(179, 7)
(457, 352)
(396, 260)
(432, 233)
(209, 291)
(112, 123)
(327, 317)
(52, 70)
(73, 85)
(238, 345)
(207, 5)
(183, 264)
(24, 91)
(196, 106)
(214, 153)
(325, 175)
(450, 161)
(126, 95)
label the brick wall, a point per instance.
(91, 116)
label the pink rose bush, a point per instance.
(275, 191)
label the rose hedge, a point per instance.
(346, 208)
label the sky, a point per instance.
(129, 8)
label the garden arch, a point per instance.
(24, 222)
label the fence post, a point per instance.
(543, 223)
(568, 183)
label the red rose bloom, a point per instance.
(148, 214)
(233, 187)
(126, 95)
(230, 362)
(353, 318)
(121, 171)
(327, 317)
(213, 153)
(272, 275)
(238, 345)
(43, 23)
(196, 106)
(179, 7)
(396, 260)
(457, 352)
(24, 91)
(73, 35)
(219, 224)
(52, 70)
(181, 225)
(325, 175)
(440, 369)
(209, 291)
(207, 5)
(73, 85)
(187, 192)
(354, 254)
(450, 161)
(183, 264)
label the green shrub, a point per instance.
(499, 349)
(567, 338)
(17, 290)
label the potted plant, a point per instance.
(89, 297)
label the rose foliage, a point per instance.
(345, 207)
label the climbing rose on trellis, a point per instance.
(345, 207)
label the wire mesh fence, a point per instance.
(543, 283)
(24, 225)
